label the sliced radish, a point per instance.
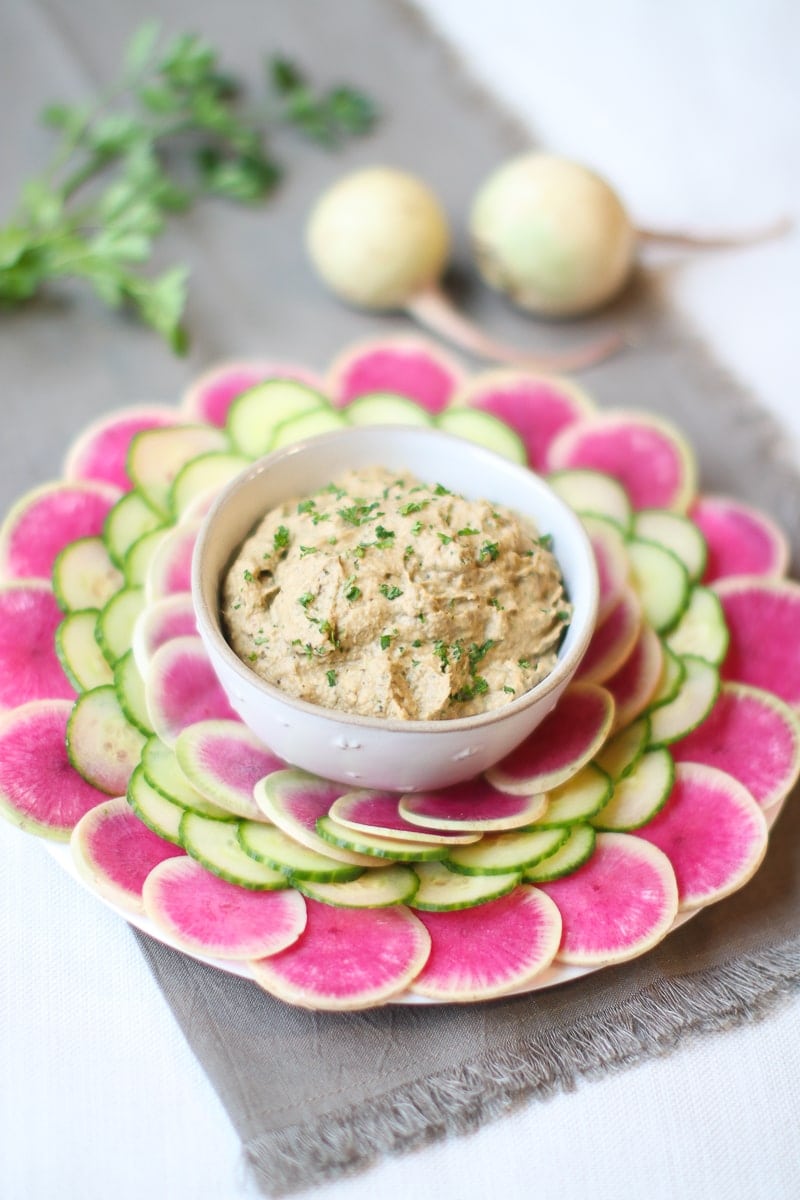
(472, 805)
(203, 914)
(578, 849)
(567, 738)
(578, 799)
(114, 852)
(103, 746)
(347, 958)
(161, 769)
(84, 575)
(295, 801)
(588, 491)
(639, 795)
(712, 831)
(29, 665)
(209, 397)
(636, 682)
(619, 904)
(478, 953)
(676, 533)
(40, 790)
(79, 654)
(379, 847)
(763, 619)
(613, 641)
(694, 701)
(408, 365)
(646, 454)
(46, 520)
(157, 455)
(170, 570)
(753, 736)
(378, 813)
(741, 539)
(396, 884)
(101, 451)
(160, 622)
(611, 557)
(182, 689)
(225, 761)
(701, 631)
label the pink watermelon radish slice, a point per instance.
(40, 791)
(611, 557)
(647, 454)
(479, 953)
(295, 801)
(378, 813)
(712, 831)
(753, 736)
(101, 451)
(763, 620)
(538, 407)
(407, 365)
(619, 904)
(182, 689)
(114, 852)
(204, 914)
(636, 682)
(347, 958)
(102, 744)
(46, 520)
(474, 805)
(209, 397)
(567, 738)
(613, 641)
(170, 568)
(29, 666)
(160, 622)
(741, 540)
(225, 761)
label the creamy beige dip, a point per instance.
(388, 597)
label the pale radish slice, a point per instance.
(170, 569)
(475, 805)
(224, 761)
(129, 519)
(129, 686)
(538, 407)
(701, 631)
(347, 958)
(410, 366)
(640, 795)
(208, 473)
(378, 813)
(763, 619)
(30, 668)
(102, 744)
(611, 557)
(578, 799)
(295, 801)
(588, 491)
(40, 790)
(78, 652)
(753, 736)
(673, 674)
(693, 703)
(392, 848)
(676, 533)
(115, 623)
(160, 622)
(622, 752)
(741, 539)
(619, 904)
(648, 455)
(613, 641)
(636, 682)
(114, 852)
(661, 582)
(203, 914)
(578, 849)
(45, 520)
(712, 831)
(139, 556)
(487, 951)
(157, 455)
(182, 689)
(209, 397)
(396, 884)
(564, 742)
(498, 853)
(84, 575)
(254, 416)
(101, 451)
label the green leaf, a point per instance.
(42, 205)
(14, 241)
(352, 111)
(67, 118)
(245, 179)
(161, 302)
(117, 133)
(284, 75)
(140, 48)
(188, 60)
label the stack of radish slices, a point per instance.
(646, 794)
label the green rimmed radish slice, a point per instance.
(40, 791)
(694, 701)
(577, 849)
(182, 689)
(565, 741)
(140, 555)
(129, 519)
(611, 558)
(157, 811)
(472, 806)
(578, 799)
(310, 424)
(208, 473)
(294, 801)
(384, 847)
(753, 736)
(156, 456)
(491, 950)
(129, 686)
(741, 539)
(396, 884)
(621, 753)
(386, 408)
(661, 581)
(216, 845)
(114, 852)
(115, 623)
(224, 761)
(103, 746)
(209, 397)
(499, 853)
(254, 416)
(619, 904)
(161, 770)
(269, 845)
(763, 620)
(206, 915)
(673, 673)
(84, 575)
(407, 365)
(443, 890)
(169, 571)
(48, 518)
(378, 813)
(648, 455)
(347, 958)
(676, 533)
(78, 652)
(160, 622)
(640, 795)
(588, 491)
(613, 640)
(485, 429)
(31, 668)
(637, 681)
(100, 452)
(712, 831)
(701, 630)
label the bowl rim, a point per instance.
(211, 623)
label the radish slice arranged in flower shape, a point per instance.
(209, 397)
(635, 683)
(408, 366)
(29, 665)
(101, 451)
(225, 761)
(741, 540)
(473, 805)
(613, 641)
(763, 620)
(182, 689)
(161, 621)
(46, 520)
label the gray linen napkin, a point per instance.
(315, 1096)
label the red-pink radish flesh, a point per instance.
(490, 950)
(409, 366)
(40, 791)
(182, 689)
(347, 958)
(636, 682)
(741, 540)
(613, 641)
(225, 761)
(611, 558)
(646, 454)
(170, 569)
(538, 407)
(294, 801)
(101, 451)
(378, 813)
(160, 622)
(753, 736)
(711, 830)
(617, 905)
(47, 519)
(763, 620)
(472, 805)
(114, 852)
(203, 914)
(209, 397)
(29, 665)
(567, 739)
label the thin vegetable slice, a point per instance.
(473, 805)
(46, 520)
(115, 623)
(484, 429)
(78, 652)
(295, 801)
(209, 398)
(701, 631)
(224, 761)
(611, 557)
(84, 575)
(640, 795)
(101, 451)
(661, 581)
(620, 754)
(410, 366)
(129, 519)
(741, 539)
(443, 890)
(378, 813)
(498, 853)
(182, 689)
(216, 845)
(204, 475)
(255, 415)
(763, 619)
(613, 641)
(170, 569)
(694, 701)
(675, 533)
(103, 745)
(160, 622)
(386, 408)
(588, 491)
(578, 849)
(157, 455)
(396, 884)
(636, 682)
(30, 668)
(270, 845)
(162, 771)
(576, 800)
(384, 847)
(114, 852)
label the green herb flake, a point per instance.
(386, 641)
(563, 616)
(248, 575)
(488, 552)
(280, 540)
(441, 651)
(477, 653)
(390, 591)
(359, 513)
(441, 490)
(306, 599)
(305, 506)
(413, 506)
(467, 532)
(524, 664)
(495, 603)
(444, 538)
(306, 550)
(416, 528)
(509, 690)
(546, 541)
(382, 534)
(331, 678)
(353, 591)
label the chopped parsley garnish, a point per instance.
(248, 576)
(476, 653)
(444, 538)
(359, 513)
(331, 678)
(413, 506)
(416, 528)
(334, 490)
(546, 540)
(467, 532)
(524, 663)
(477, 688)
(511, 691)
(280, 540)
(304, 550)
(253, 656)
(306, 506)
(305, 599)
(562, 615)
(390, 591)
(441, 490)
(317, 517)
(353, 591)
(416, 643)
(440, 649)
(386, 641)
(495, 603)
(382, 534)
(489, 550)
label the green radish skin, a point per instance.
(294, 801)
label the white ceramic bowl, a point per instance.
(370, 751)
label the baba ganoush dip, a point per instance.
(388, 597)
